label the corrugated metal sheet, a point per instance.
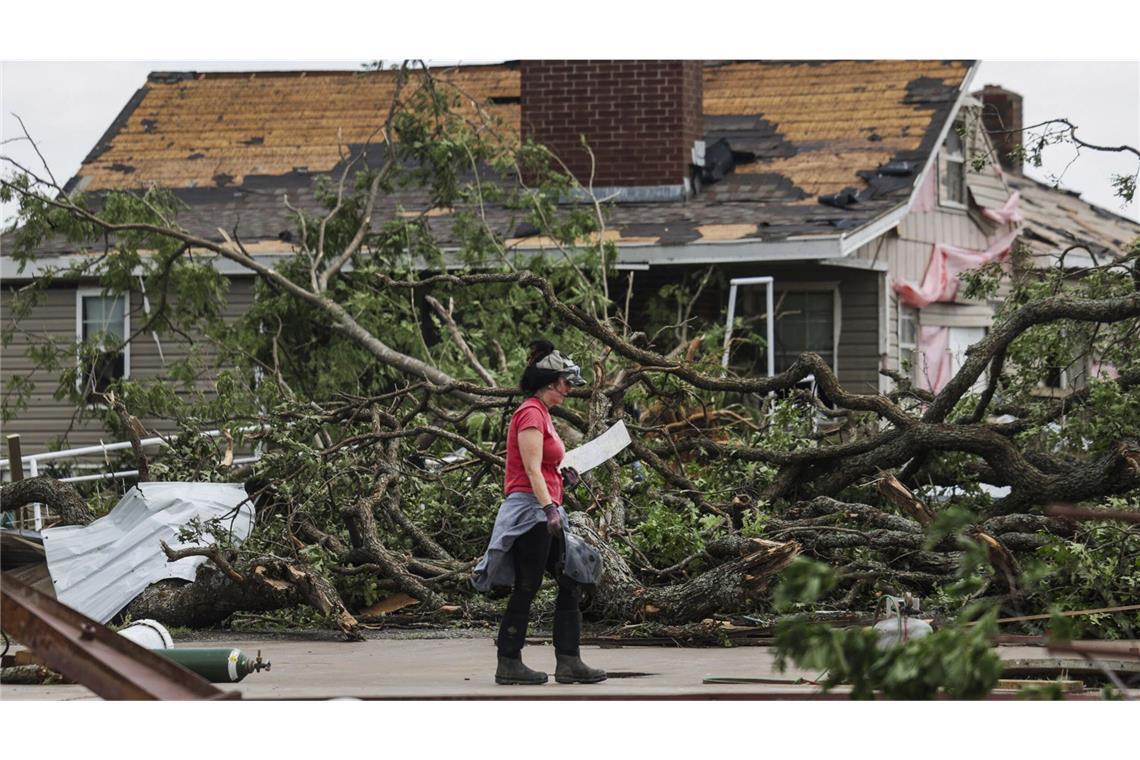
(98, 569)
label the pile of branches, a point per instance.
(384, 446)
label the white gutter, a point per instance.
(732, 251)
(856, 239)
(61, 264)
(635, 256)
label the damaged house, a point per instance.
(842, 197)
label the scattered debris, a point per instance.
(98, 569)
(386, 605)
(20, 547)
(1018, 684)
(149, 634)
(90, 654)
(1053, 667)
(31, 675)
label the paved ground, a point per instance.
(464, 668)
(458, 668)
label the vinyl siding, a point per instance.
(857, 356)
(54, 318)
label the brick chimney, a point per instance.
(1001, 115)
(640, 118)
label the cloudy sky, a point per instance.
(66, 105)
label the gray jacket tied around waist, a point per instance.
(519, 512)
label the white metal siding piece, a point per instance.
(99, 568)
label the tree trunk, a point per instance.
(269, 584)
(727, 587)
(59, 496)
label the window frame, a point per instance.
(830, 286)
(901, 345)
(80, 295)
(960, 158)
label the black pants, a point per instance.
(533, 553)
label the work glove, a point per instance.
(553, 519)
(570, 477)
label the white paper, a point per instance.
(592, 453)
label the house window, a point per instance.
(102, 321)
(952, 184)
(1057, 380)
(908, 339)
(805, 321)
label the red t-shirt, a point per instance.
(532, 413)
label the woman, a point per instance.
(529, 535)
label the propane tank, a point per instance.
(216, 665)
(897, 628)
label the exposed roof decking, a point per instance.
(188, 132)
(1056, 219)
(231, 145)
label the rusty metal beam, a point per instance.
(90, 654)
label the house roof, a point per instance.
(233, 145)
(1056, 219)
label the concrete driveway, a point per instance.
(463, 668)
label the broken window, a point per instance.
(952, 184)
(101, 326)
(805, 321)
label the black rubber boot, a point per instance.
(567, 634)
(511, 670)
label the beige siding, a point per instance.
(957, 315)
(906, 250)
(859, 339)
(987, 186)
(46, 418)
(857, 356)
(946, 226)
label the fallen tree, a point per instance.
(378, 389)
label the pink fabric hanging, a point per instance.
(1009, 213)
(1102, 371)
(933, 358)
(947, 262)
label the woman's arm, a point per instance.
(530, 448)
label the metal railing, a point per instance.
(32, 461)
